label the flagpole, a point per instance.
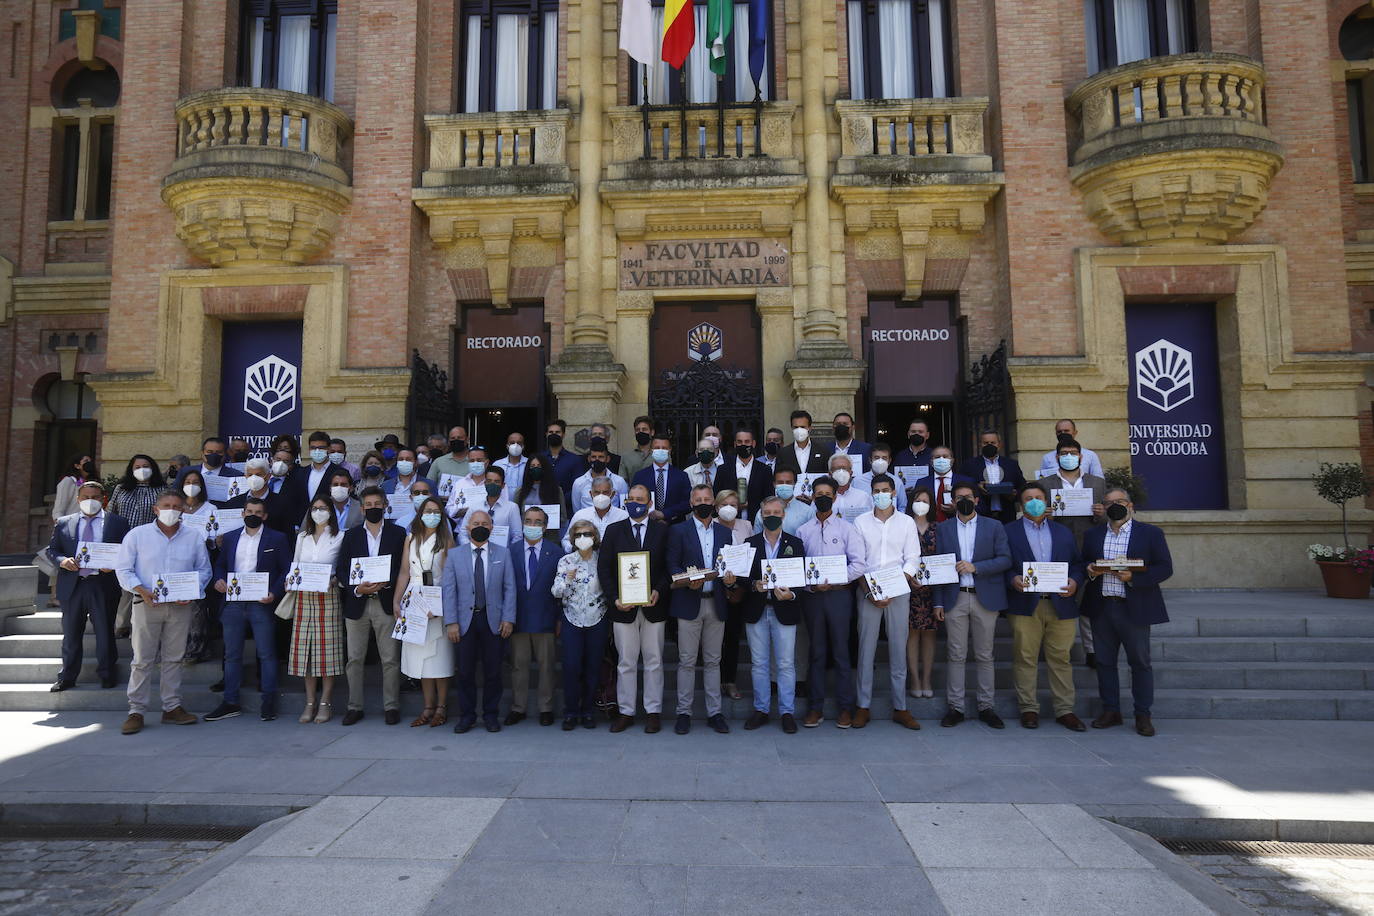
(720, 115)
(682, 112)
(648, 131)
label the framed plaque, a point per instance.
(633, 573)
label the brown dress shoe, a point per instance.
(178, 716)
(1030, 720)
(654, 725)
(132, 725)
(621, 723)
(861, 717)
(813, 718)
(845, 720)
(906, 720)
(1109, 718)
(1144, 727)
(1071, 722)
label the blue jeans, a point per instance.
(770, 640)
(583, 648)
(236, 618)
(1113, 630)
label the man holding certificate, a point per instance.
(771, 613)
(250, 572)
(85, 548)
(699, 606)
(367, 566)
(165, 564)
(1041, 616)
(969, 607)
(892, 551)
(1075, 499)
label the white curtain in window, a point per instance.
(1176, 13)
(1132, 30)
(293, 54)
(512, 51)
(701, 79)
(331, 31)
(255, 40)
(658, 73)
(1092, 29)
(857, 87)
(472, 66)
(939, 84)
(548, 77)
(896, 49)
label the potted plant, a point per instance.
(1346, 571)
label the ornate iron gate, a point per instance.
(986, 402)
(430, 407)
(705, 393)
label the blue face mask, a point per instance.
(1034, 507)
(636, 510)
(784, 490)
(1068, 462)
(533, 532)
(882, 500)
(431, 519)
(318, 455)
(388, 453)
(660, 455)
(419, 500)
(941, 465)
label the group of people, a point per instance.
(494, 553)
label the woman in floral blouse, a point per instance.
(583, 627)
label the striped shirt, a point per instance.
(1114, 547)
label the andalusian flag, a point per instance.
(637, 37)
(679, 32)
(720, 18)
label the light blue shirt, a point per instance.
(706, 535)
(796, 514)
(147, 552)
(514, 469)
(864, 482)
(1088, 463)
(968, 534)
(1041, 544)
(582, 490)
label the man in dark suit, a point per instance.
(536, 611)
(257, 477)
(699, 605)
(213, 453)
(638, 630)
(771, 615)
(860, 453)
(756, 476)
(669, 485)
(479, 616)
(1038, 619)
(252, 548)
(970, 606)
(942, 482)
(1123, 604)
(801, 455)
(367, 606)
(998, 476)
(86, 593)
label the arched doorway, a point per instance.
(66, 427)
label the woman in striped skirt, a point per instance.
(317, 633)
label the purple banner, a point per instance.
(260, 373)
(1174, 405)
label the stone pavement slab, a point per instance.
(1053, 892)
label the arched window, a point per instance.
(1120, 31)
(509, 55)
(900, 49)
(696, 82)
(83, 137)
(289, 44)
(66, 428)
(1357, 47)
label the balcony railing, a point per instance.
(497, 139)
(894, 139)
(1168, 98)
(662, 133)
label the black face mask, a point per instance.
(375, 514)
(598, 443)
(841, 432)
(598, 465)
(989, 451)
(1116, 512)
(704, 511)
(916, 440)
(535, 473)
(213, 460)
(706, 458)
(457, 446)
(965, 506)
(1064, 437)
(643, 439)
(252, 522)
(88, 471)
(480, 534)
(772, 522)
(240, 456)
(824, 503)
(371, 470)
(744, 452)
(771, 448)
(554, 440)
(493, 490)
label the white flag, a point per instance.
(638, 37)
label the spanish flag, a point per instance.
(679, 31)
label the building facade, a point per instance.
(1155, 217)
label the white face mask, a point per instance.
(89, 506)
(143, 475)
(169, 517)
(338, 493)
(192, 490)
(882, 500)
(941, 465)
(841, 477)
(515, 450)
(920, 508)
(727, 513)
(256, 482)
(583, 542)
(319, 455)
(879, 465)
(405, 468)
(800, 434)
(280, 469)
(601, 501)
(336, 457)
(714, 440)
(477, 468)
(321, 516)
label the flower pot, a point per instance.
(1343, 580)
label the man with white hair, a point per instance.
(479, 616)
(703, 473)
(257, 473)
(600, 513)
(850, 501)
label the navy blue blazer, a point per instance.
(65, 541)
(860, 453)
(619, 538)
(536, 608)
(1063, 549)
(684, 550)
(787, 612)
(1144, 598)
(274, 557)
(991, 555)
(1011, 473)
(354, 545)
(678, 491)
(760, 485)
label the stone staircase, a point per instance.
(1226, 655)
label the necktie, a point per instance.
(529, 572)
(87, 534)
(479, 582)
(661, 489)
(639, 535)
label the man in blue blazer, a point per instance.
(990, 463)
(84, 593)
(670, 486)
(252, 548)
(1124, 604)
(700, 607)
(479, 614)
(860, 453)
(1041, 619)
(213, 455)
(536, 612)
(970, 606)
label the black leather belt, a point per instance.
(1113, 598)
(971, 591)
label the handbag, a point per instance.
(44, 564)
(286, 608)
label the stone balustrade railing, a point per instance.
(912, 127)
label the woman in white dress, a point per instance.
(428, 542)
(317, 631)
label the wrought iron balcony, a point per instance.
(752, 143)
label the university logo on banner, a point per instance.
(1164, 375)
(260, 377)
(705, 343)
(269, 389)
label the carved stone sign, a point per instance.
(705, 263)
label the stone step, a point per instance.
(39, 623)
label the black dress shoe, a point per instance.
(217, 686)
(353, 717)
(60, 686)
(492, 725)
(684, 724)
(392, 716)
(268, 711)
(108, 682)
(990, 718)
(952, 718)
(514, 718)
(1090, 660)
(464, 726)
(546, 718)
(589, 721)
(570, 723)
(718, 723)
(789, 724)
(1144, 727)
(756, 720)
(1071, 722)
(654, 724)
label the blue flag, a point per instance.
(759, 27)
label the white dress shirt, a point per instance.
(707, 538)
(246, 556)
(864, 482)
(890, 542)
(967, 531)
(699, 476)
(503, 513)
(948, 481)
(852, 503)
(582, 489)
(514, 469)
(613, 515)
